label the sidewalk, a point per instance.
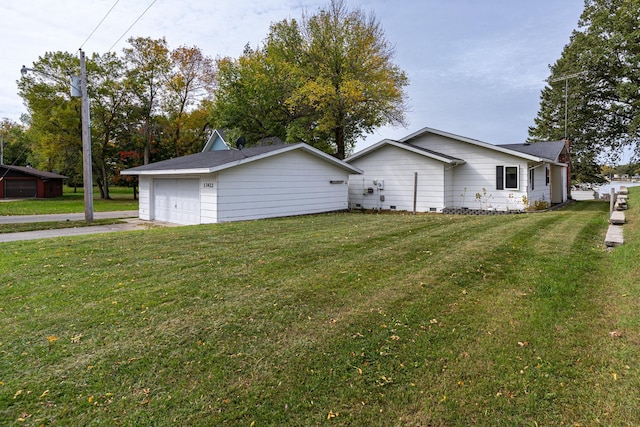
(131, 218)
(23, 219)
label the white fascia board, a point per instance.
(287, 148)
(403, 146)
(369, 149)
(168, 172)
(473, 142)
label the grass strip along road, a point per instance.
(337, 319)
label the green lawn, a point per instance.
(71, 202)
(338, 319)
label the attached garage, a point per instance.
(235, 185)
(25, 182)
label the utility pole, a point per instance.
(566, 93)
(87, 176)
(80, 92)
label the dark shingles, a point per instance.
(549, 150)
(33, 172)
(207, 159)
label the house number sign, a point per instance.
(209, 185)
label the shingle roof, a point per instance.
(550, 150)
(212, 161)
(33, 172)
(206, 159)
(406, 146)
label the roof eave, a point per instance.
(167, 172)
(234, 163)
(470, 141)
(403, 146)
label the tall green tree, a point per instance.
(54, 122)
(327, 82)
(148, 65)
(189, 82)
(16, 147)
(596, 81)
(110, 104)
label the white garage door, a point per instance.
(177, 200)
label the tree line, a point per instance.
(149, 103)
(593, 95)
(326, 80)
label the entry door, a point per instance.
(177, 200)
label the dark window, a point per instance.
(511, 177)
(506, 177)
(547, 176)
(532, 178)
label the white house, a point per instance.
(432, 170)
(233, 185)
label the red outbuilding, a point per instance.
(27, 182)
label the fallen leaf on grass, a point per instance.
(615, 334)
(332, 415)
(523, 343)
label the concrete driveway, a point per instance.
(131, 218)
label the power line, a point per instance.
(100, 23)
(134, 23)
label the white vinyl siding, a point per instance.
(209, 198)
(144, 198)
(473, 184)
(539, 190)
(292, 183)
(398, 168)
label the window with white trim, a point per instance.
(507, 177)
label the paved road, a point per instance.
(132, 223)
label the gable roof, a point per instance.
(507, 149)
(217, 141)
(546, 149)
(406, 146)
(33, 172)
(213, 161)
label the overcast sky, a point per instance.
(476, 67)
